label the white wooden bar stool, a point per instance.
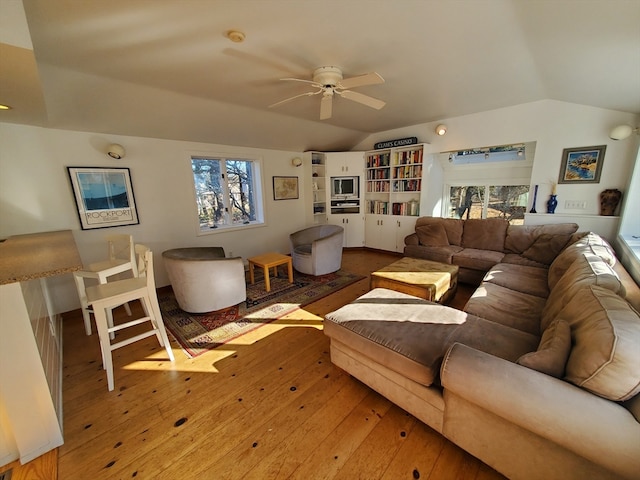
(104, 297)
(121, 259)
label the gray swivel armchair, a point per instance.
(317, 250)
(203, 280)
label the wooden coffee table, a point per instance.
(433, 281)
(267, 261)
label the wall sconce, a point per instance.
(441, 130)
(622, 131)
(116, 151)
(296, 162)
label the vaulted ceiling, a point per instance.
(166, 69)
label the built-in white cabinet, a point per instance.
(353, 225)
(387, 232)
(344, 164)
(346, 209)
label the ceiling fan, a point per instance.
(329, 82)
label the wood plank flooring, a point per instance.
(269, 405)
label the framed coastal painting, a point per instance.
(582, 165)
(104, 197)
(285, 188)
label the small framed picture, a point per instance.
(285, 188)
(582, 165)
(104, 197)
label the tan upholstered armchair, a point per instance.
(203, 280)
(317, 250)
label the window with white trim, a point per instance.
(227, 191)
(502, 201)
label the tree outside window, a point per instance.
(226, 192)
(503, 201)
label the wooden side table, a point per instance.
(266, 262)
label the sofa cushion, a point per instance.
(410, 335)
(546, 247)
(521, 237)
(591, 243)
(606, 334)
(553, 351)
(453, 227)
(485, 233)
(525, 279)
(517, 259)
(507, 307)
(436, 254)
(433, 235)
(585, 270)
(475, 259)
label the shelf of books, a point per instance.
(394, 181)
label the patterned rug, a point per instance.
(198, 333)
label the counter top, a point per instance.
(38, 255)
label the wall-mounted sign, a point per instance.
(401, 142)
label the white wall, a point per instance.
(554, 126)
(36, 196)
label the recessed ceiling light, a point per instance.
(4, 107)
(235, 36)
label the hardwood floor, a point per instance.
(269, 405)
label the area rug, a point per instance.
(198, 333)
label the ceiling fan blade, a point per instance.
(364, 99)
(326, 107)
(286, 100)
(315, 84)
(361, 80)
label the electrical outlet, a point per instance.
(575, 204)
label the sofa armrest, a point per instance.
(551, 408)
(411, 239)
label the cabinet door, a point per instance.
(345, 164)
(405, 227)
(353, 228)
(380, 232)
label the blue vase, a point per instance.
(552, 203)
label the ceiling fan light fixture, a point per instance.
(441, 129)
(622, 131)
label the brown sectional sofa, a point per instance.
(476, 245)
(539, 376)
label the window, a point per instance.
(227, 192)
(503, 201)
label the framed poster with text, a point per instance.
(104, 197)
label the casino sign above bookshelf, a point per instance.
(394, 181)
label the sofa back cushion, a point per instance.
(605, 356)
(520, 237)
(584, 271)
(485, 233)
(553, 351)
(592, 244)
(432, 235)
(452, 226)
(546, 247)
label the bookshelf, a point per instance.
(318, 185)
(394, 181)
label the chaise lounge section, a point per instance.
(538, 376)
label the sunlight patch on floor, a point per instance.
(205, 363)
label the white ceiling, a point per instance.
(165, 69)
